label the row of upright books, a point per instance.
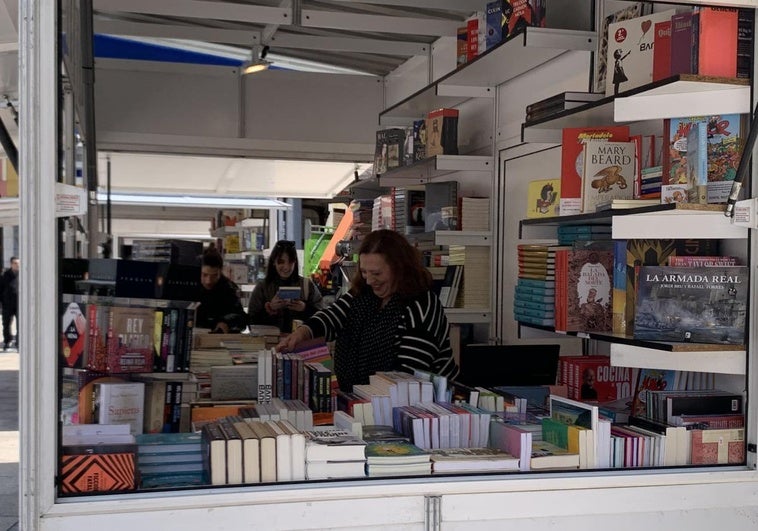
(640, 288)
(260, 443)
(694, 160)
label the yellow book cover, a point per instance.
(543, 198)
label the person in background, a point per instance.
(220, 308)
(389, 319)
(9, 297)
(266, 307)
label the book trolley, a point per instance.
(495, 87)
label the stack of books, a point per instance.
(534, 298)
(170, 459)
(334, 454)
(396, 458)
(469, 460)
(475, 213)
(475, 289)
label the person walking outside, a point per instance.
(9, 297)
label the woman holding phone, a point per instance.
(283, 295)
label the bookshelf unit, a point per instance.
(679, 95)
(569, 499)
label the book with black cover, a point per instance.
(692, 304)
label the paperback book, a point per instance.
(543, 198)
(692, 304)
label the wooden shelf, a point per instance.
(511, 58)
(668, 98)
(427, 170)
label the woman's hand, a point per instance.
(221, 328)
(297, 305)
(290, 342)
(276, 305)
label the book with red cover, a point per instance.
(73, 334)
(572, 161)
(718, 447)
(593, 378)
(662, 50)
(715, 49)
(130, 340)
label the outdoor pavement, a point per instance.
(9, 362)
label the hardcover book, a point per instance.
(608, 173)
(632, 10)
(543, 198)
(442, 132)
(93, 471)
(715, 49)
(446, 460)
(589, 288)
(389, 149)
(662, 50)
(718, 447)
(642, 253)
(630, 51)
(130, 341)
(681, 43)
(697, 163)
(572, 161)
(692, 304)
(519, 14)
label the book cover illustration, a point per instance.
(692, 304)
(608, 173)
(573, 140)
(543, 198)
(638, 254)
(388, 153)
(590, 283)
(130, 340)
(73, 334)
(725, 137)
(718, 447)
(630, 51)
(653, 380)
(634, 10)
(519, 14)
(696, 163)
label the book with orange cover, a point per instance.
(714, 53)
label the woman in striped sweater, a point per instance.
(389, 319)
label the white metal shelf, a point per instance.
(680, 95)
(716, 361)
(677, 223)
(427, 170)
(463, 237)
(468, 315)
(478, 78)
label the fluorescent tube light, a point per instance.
(193, 201)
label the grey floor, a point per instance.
(9, 362)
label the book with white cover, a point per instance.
(120, 403)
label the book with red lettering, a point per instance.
(662, 50)
(630, 52)
(572, 161)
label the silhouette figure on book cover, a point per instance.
(618, 69)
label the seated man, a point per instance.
(220, 308)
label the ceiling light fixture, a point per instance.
(258, 63)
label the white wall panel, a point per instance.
(280, 107)
(409, 77)
(310, 107)
(146, 97)
(571, 68)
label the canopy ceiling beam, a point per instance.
(401, 25)
(465, 6)
(198, 9)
